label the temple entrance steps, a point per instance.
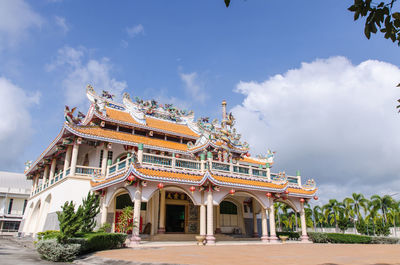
(191, 237)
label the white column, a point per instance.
(218, 221)
(104, 210)
(104, 161)
(268, 172)
(67, 160)
(140, 153)
(45, 175)
(255, 228)
(304, 236)
(74, 158)
(272, 237)
(161, 226)
(264, 225)
(53, 169)
(210, 219)
(135, 238)
(202, 216)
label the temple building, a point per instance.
(180, 175)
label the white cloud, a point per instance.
(334, 121)
(193, 86)
(61, 22)
(79, 71)
(15, 125)
(124, 44)
(17, 17)
(135, 30)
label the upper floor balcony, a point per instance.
(172, 162)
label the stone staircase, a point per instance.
(191, 237)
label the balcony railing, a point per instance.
(86, 171)
(163, 161)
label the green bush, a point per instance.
(48, 234)
(290, 235)
(103, 241)
(318, 237)
(385, 240)
(52, 250)
(348, 239)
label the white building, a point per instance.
(15, 190)
(181, 175)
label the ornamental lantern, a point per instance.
(302, 200)
(269, 194)
(192, 189)
(284, 198)
(286, 192)
(315, 197)
(131, 178)
(232, 192)
(160, 186)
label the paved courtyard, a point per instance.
(261, 254)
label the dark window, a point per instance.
(123, 201)
(11, 225)
(173, 139)
(125, 129)
(101, 158)
(25, 203)
(143, 206)
(185, 141)
(10, 204)
(158, 136)
(140, 132)
(110, 127)
(227, 208)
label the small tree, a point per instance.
(125, 220)
(90, 208)
(343, 223)
(382, 228)
(70, 221)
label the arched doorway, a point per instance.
(287, 218)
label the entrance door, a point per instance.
(175, 221)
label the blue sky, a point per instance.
(193, 53)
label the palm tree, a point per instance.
(332, 211)
(316, 215)
(356, 202)
(393, 214)
(383, 204)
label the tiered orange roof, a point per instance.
(168, 174)
(151, 122)
(301, 191)
(251, 161)
(249, 182)
(100, 132)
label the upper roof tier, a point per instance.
(167, 118)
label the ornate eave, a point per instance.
(171, 176)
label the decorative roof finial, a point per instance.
(224, 114)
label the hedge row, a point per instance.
(50, 249)
(337, 238)
(290, 235)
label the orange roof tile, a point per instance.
(168, 174)
(97, 131)
(251, 161)
(94, 184)
(120, 115)
(151, 122)
(248, 182)
(301, 191)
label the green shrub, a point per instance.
(290, 235)
(54, 251)
(385, 240)
(48, 234)
(316, 237)
(348, 239)
(97, 241)
(104, 228)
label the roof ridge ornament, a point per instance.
(70, 117)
